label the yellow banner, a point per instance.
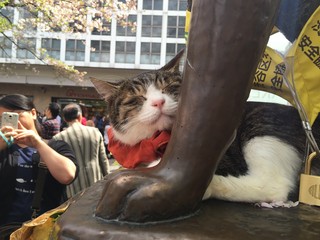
(269, 75)
(187, 25)
(305, 57)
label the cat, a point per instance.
(263, 163)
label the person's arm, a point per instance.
(60, 167)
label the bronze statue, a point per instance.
(226, 41)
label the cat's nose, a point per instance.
(158, 103)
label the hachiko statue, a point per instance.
(226, 41)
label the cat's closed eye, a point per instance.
(169, 85)
(134, 101)
(172, 88)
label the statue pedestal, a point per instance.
(215, 220)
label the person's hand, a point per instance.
(26, 137)
(7, 129)
(7, 136)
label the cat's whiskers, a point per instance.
(129, 123)
(134, 132)
(152, 116)
(145, 124)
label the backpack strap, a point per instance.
(36, 202)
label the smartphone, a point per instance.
(10, 119)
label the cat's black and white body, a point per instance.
(262, 164)
(264, 161)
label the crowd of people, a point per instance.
(71, 158)
(52, 123)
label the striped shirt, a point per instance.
(50, 128)
(87, 144)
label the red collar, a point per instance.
(147, 150)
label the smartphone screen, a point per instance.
(10, 119)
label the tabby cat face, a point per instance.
(144, 105)
(140, 106)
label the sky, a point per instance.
(279, 42)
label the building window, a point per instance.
(176, 27)
(127, 30)
(173, 49)
(23, 45)
(52, 46)
(25, 14)
(150, 53)
(178, 5)
(107, 32)
(153, 4)
(8, 13)
(100, 51)
(151, 26)
(75, 50)
(125, 52)
(6, 47)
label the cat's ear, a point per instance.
(174, 63)
(105, 88)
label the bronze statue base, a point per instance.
(215, 220)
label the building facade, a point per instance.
(111, 55)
